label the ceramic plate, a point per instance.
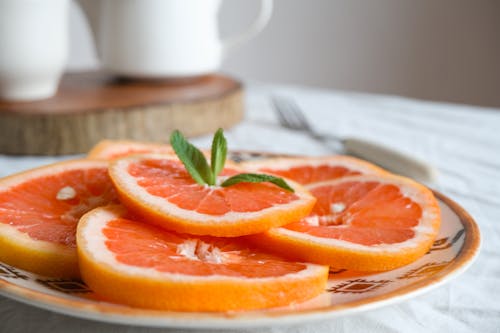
(347, 292)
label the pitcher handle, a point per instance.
(266, 10)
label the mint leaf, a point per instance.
(192, 158)
(256, 178)
(218, 155)
(197, 166)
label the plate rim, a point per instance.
(119, 314)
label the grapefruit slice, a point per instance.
(141, 265)
(363, 223)
(39, 212)
(160, 190)
(308, 170)
(111, 149)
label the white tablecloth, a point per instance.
(463, 142)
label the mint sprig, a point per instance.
(197, 166)
(256, 178)
(218, 154)
(192, 158)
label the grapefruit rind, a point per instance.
(39, 256)
(159, 211)
(42, 257)
(279, 164)
(111, 149)
(148, 288)
(359, 257)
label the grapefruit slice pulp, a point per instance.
(160, 190)
(363, 223)
(141, 265)
(39, 212)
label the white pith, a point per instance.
(66, 193)
(329, 219)
(93, 244)
(337, 207)
(197, 250)
(424, 230)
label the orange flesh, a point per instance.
(374, 213)
(312, 174)
(32, 207)
(169, 179)
(142, 245)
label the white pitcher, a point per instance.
(162, 38)
(33, 47)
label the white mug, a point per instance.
(33, 47)
(162, 38)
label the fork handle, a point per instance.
(390, 159)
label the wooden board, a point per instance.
(93, 106)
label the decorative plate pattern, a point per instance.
(347, 292)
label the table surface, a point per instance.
(463, 142)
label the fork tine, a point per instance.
(299, 115)
(281, 108)
(277, 108)
(287, 115)
(290, 114)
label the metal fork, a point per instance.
(291, 116)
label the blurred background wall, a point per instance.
(445, 50)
